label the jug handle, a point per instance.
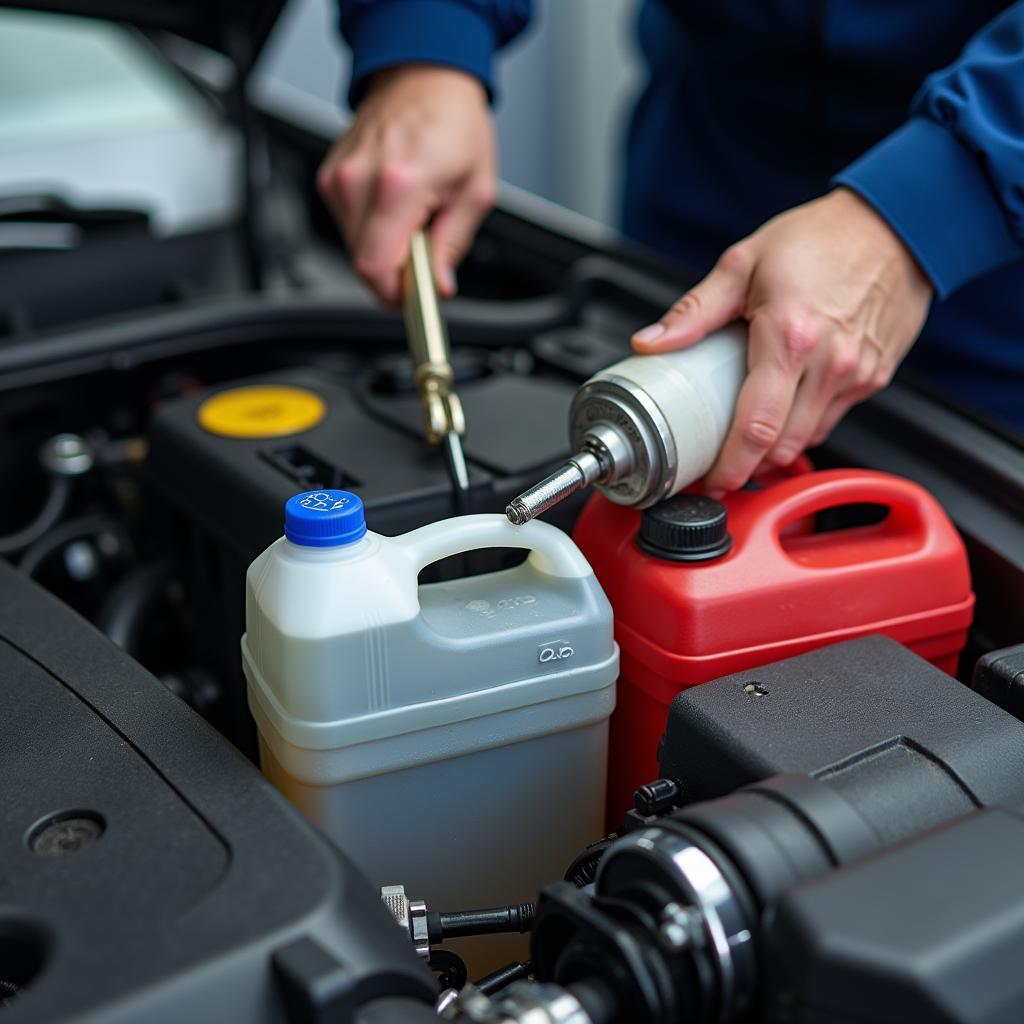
(909, 504)
(551, 551)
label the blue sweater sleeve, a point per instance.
(950, 180)
(460, 34)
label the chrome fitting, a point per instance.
(67, 455)
(411, 916)
(524, 1002)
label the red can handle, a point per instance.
(909, 505)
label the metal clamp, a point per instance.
(411, 916)
(708, 913)
(428, 343)
(444, 420)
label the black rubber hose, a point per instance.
(583, 869)
(450, 967)
(123, 614)
(503, 976)
(206, 325)
(53, 541)
(493, 921)
(49, 515)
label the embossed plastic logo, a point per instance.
(321, 502)
(557, 650)
(487, 610)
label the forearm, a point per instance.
(950, 182)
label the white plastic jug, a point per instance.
(451, 736)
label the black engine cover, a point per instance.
(147, 871)
(903, 742)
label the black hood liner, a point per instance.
(235, 27)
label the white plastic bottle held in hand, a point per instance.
(648, 426)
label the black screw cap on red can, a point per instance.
(686, 528)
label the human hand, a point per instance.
(834, 300)
(421, 146)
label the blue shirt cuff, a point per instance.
(386, 35)
(934, 194)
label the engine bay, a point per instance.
(809, 821)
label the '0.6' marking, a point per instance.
(557, 651)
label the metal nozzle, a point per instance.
(604, 456)
(583, 469)
(456, 460)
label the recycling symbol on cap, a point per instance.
(321, 502)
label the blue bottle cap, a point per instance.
(324, 519)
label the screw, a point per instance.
(448, 999)
(81, 561)
(66, 834)
(681, 926)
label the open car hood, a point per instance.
(230, 26)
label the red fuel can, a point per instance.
(702, 589)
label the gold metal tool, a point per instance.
(428, 344)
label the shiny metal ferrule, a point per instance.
(410, 915)
(625, 434)
(610, 402)
(583, 469)
(604, 457)
(706, 904)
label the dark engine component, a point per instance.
(234, 472)
(149, 873)
(229, 491)
(929, 931)
(999, 675)
(734, 905)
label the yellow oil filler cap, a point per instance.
(261, 411)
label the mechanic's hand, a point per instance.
(421, 146)
(834, 300)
